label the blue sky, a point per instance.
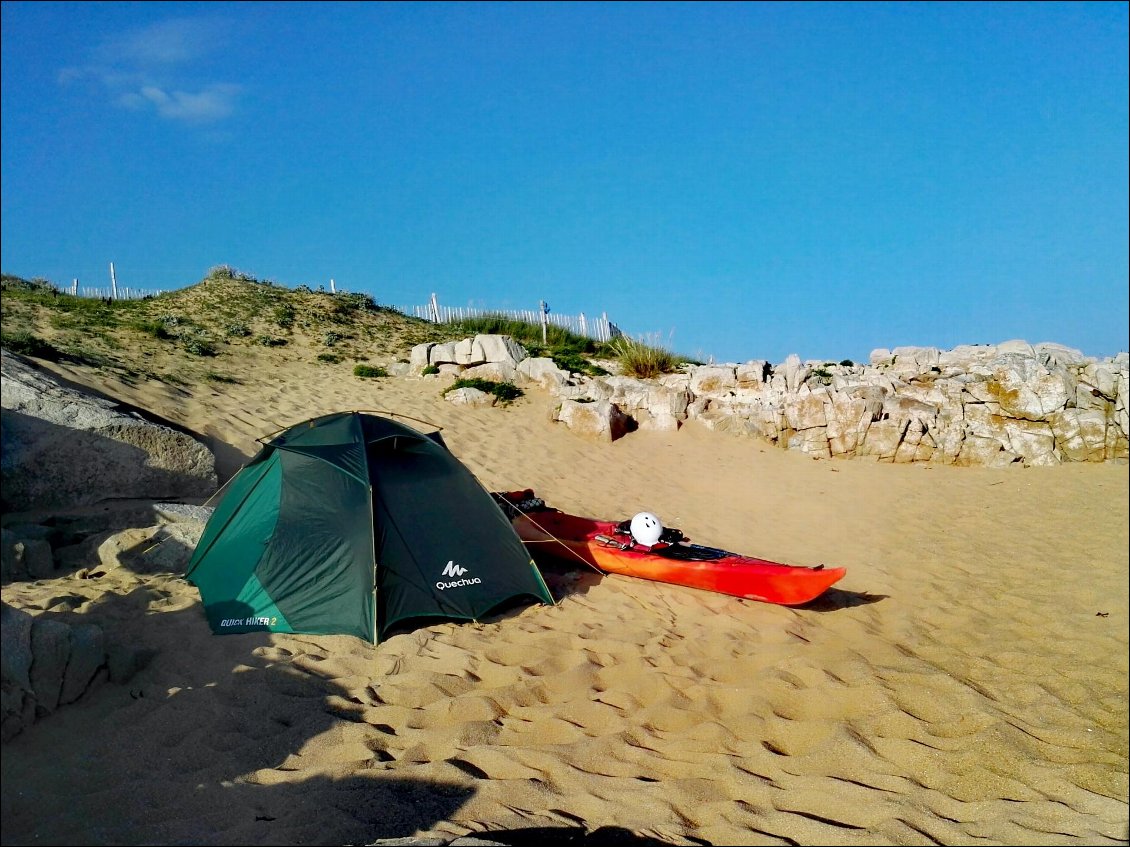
(736, 181)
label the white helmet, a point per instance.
(646, 529)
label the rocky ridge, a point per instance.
(991, 405)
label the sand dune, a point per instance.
(966, 682)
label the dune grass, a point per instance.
(568, 350)
(643, 359)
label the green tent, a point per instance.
(353, 523)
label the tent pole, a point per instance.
(376, 627)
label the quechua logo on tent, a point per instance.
(453, 570)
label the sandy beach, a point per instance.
(965, 683)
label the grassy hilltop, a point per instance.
(184, 337)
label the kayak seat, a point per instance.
(690, 553)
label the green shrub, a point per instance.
(430, 369)
(269, 341)
(346, 305)
(331, 358)
(283, 315)
(506, 392)
(820, 376)
(228, 272)
(156, 329)
(847, 363)
(575, 363)
(238, 330)
(369, 371)
(199, 346)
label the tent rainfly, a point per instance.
(353, 523)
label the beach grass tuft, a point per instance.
(643, 358)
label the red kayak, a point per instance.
(552, 535)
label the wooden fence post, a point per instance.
(113, 283)
(544, 321)
(435, 309)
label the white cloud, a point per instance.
(171, 42)
(212, 103)
(153, 68)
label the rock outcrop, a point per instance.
(994, 405)
(48, 662)
(64, 448)
(44, 664)
(91, 467)
(476, 355)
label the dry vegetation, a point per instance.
(230, 325)
(190, 335)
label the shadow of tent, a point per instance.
(202, 735)
(564, 581)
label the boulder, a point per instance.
(419, 357)
(472, 397)
(543, 373)
(17, 699)
(601, 420)
(25, 557)
(713, 379)
(500, 348)
(50, 650)
(753, 374)
(165, 548)
(1027, 389)
(46, 663)
(87, 658)
(492, 371)
(65, 448)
